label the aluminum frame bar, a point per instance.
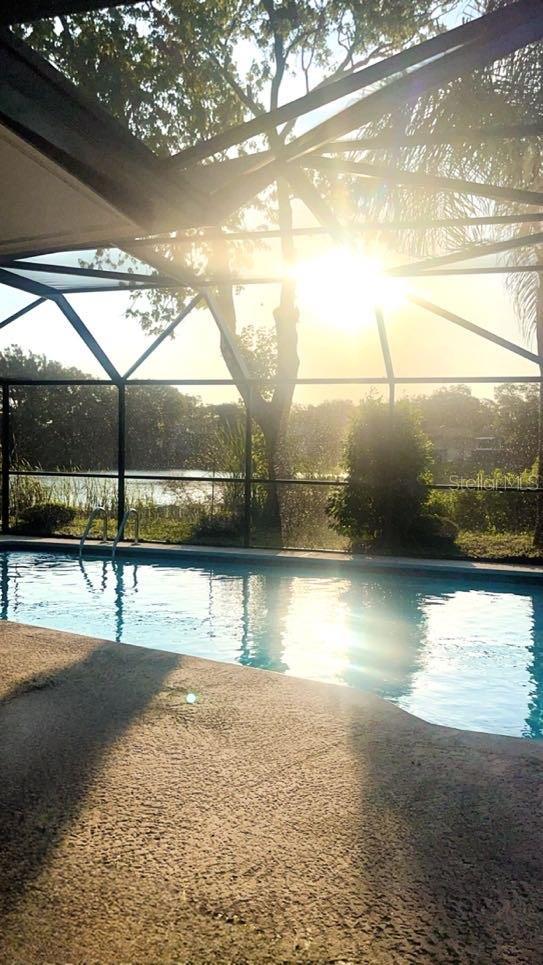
(50, 268)
(169, 330)
(27, 11)
(456, 135)
(22, 311)
(429, 182)
(468, 254)
(62, 303)
(476, 329)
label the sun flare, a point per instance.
(343, 287)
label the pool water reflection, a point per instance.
(469, 656)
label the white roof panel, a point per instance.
(43, 206)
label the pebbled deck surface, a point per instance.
(275, 820)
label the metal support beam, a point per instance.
(519, 25)
(112, 287)
(248, 478)
(62, 303)
(169, 330)
(217, 234)
(453, 135)
(6, 457)
(385, 348)
(121, 452)
(48, 267)
(22, 311)
(351, 380)
(487, 270)
(315, 203)
(26, 11)
(467, 254)
(342, 236)
(88, 338)
(184, 277)
(339, 235)
(476, 329)
(427, 182)
(13, 280)
(227, 334)
(304, 188)
(368, 227)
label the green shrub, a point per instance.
(44, 519)
(218, 524)
(429, 529)
(485, 511)
(383, 504)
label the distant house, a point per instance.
(456, 445)
(453, 445)
(487, 444)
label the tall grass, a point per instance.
(174, 512)
(492, 525)
(81, 493)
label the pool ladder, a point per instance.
(95, 513)
(120, 531)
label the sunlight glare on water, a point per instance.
(469, 656)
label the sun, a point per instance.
(343, 286)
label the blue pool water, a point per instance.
(469, 656)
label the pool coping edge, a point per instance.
(276, 557)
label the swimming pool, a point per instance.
(469, 656)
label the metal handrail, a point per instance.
(97, 511)
(120, 531)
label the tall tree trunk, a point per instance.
(271, 515)
(286, 321)
(270, 415)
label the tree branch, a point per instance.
(279, 54)
(243, 95)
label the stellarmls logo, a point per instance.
(498, 483)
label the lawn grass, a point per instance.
(506, 547)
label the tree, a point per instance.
(516, 414)
(505, 93)
(177, 71)
(316, 436)
(58, 427)
(454, 407)
(75, 426)
(388, 461)
(454, 419)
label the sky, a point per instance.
(337, 334)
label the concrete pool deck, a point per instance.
(274, 820)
